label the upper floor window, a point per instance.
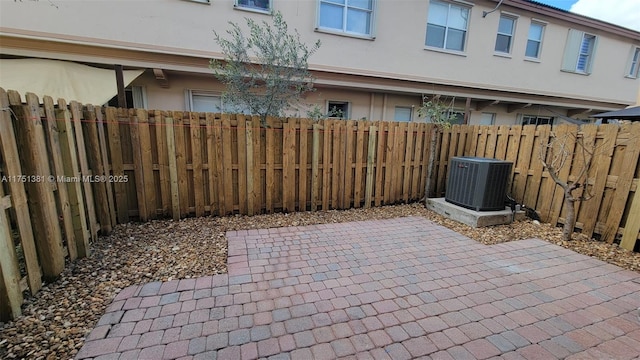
(505, 34)
(634, 67)
(260, 5)
(534, 42)
(447, 25)
(348, 16)
(579, 52)
(586, 53)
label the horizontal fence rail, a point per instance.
(70, 172)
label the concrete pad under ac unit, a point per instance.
(471, 217)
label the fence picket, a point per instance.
(117, 168)
(42, 203)
(303, 164)
(371, 158)
(357, 180)
(173, 168)
(380, 161)
(196, 163)
(242, 163)
(623, 185)
(315, 167)
(76, 120)
(94, 157)
(19, 200)
(408, 163)
(326, 167)
(53, 142)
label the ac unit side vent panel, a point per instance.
(478, 183)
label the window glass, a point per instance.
(358, 21)
(487, 118)
(205, 103)
(338, 109)
(586, 50)
(331, 16)
(254, 4)
(403, 113)
(505, 34)
(635, 63)
(446, 25)
(350, 16)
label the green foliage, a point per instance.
(437, 112)
(266, 71)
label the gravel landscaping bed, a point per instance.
(58, 318)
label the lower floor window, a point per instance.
(403, 113)
(136, 98)
(338, 109)
(536, 120)
(205, 102)
(487, 118)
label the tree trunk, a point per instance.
(570, 220)
(432, 160)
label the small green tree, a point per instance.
(266, 71)
(439, 113)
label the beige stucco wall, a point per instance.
(363, 104)
(185, 27)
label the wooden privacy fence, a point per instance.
(81, 170)
(70, 171)
(181, 163)
(613, 210)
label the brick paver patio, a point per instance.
(400, 289)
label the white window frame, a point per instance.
(372, 19)
(395, 118)
(510, 36)
(459, 4)
(139, 95)
(189, 94)
(345, 115)
(588, 55)
(237, 5)
(207, 2)
(633, 70)
(528, 118)
(573, 52)
(493, 118)
(543, 27)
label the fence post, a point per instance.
(42, 202)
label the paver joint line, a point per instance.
(397, 288)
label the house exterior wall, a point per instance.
(397, 53)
